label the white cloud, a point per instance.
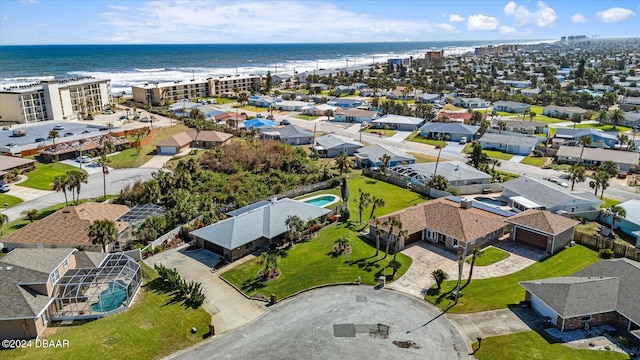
(506, 30)
(615, 15)
(28, 1)
(480, 22)
(118, 7)
(448, 28)
(544, 16)
(455, 18)
(578, 19)
(5, 18)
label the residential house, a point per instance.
(262, 101)
(531, 93)
(631, 119)
(290, 134)
(522, 127)
(346, 103)
(290, 105)
(8, 163)
(452, 131)
(344, 89)
(253, 227)
(460, 117)
(72, 149)
(526, 193)
(226, 116)
(398, 122)
(605, 293)
(259, 124)
(318, 110)
(332, 145)
(471, 103)
(629, 224)
(354, 115)
(457, 173)
(630, 103)
(451, 222)
(511, 106)
(321, 86)
(519, 84)
(69, 228)
(428, 99)
(626, 160)
(371, 156)
(359, 85)
(367, 92)
(555, 111)
(542, 229)
(511, 144)
(609, 140)
(191, 139)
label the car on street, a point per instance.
(558, 182)
(622, 175)
(10, 145)
(58, 127)
(87, 131)
(123, 117)
(108, 112)
(4, 187)
(83, 159)
(285, 122)
(145, 119)
(68, 134)
(38, 140)
(88, 117)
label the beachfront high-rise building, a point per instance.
(170, 92)
(55, 100)
(434, 56)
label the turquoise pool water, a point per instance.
(110, 298)
(322, 201)
(490, 201)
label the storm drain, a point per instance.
(361, 298)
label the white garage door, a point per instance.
(543, 309)
(168, 150)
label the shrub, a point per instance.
(344, 214)
(606, 253)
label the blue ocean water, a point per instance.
(127, 65)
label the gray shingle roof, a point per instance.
(548, 194)
(510, 140)
(337, 141)
(294, 131)
(567, 132)
(598, 154)
(398, 119)
(376, 151)
(450, 127)
(267, 221)
(514, 104)
(35, 259)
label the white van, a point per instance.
(463, 140)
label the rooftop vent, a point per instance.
(465, 204)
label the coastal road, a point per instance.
(116, 181)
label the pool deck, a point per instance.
(336, 199)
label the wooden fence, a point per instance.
(599, 242)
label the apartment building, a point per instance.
(57, 100)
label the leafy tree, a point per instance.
(532, 115)
(439, 182)
(577, 173)
(439, 276)
(476, 118)
(328, 114)
(31, 213)
(4, 220)
(103, 232)
(104, 163)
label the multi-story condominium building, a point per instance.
(54, 100)
(163, 93)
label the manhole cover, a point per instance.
(344, 330)
(361, 298)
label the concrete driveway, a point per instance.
(156, 162)
(25, 193)
(343, 322)
(400, 136)
(229, 309)
(497, 322)
(453, 147)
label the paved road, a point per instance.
(340, 323)
(116, 181)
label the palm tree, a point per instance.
(603, 115)
(103, 232)
(617, 116)
(343, 163)
(584, 140)
(600, 182)
(328, 114)
(75, 180)
(363, 201)
(402, 234)
(60, 184)
(342, 243)
(494, 163)
(617, 212)
(392, 221)
(439, 182)
(623, 139)
(532, 115)
(53, 135)
(270, 262)
(295, 225)
(610, 167)
(475, 254)
(104, 162)
(4, 220)
(576, 119)
(376, 224)
(577, 174)
(384, 162)
(439, 276)
(108, 147)
(502, 125)
(31, 213)
(376, 202)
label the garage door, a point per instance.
(213, 248)
(543, 309)
(413, 238)
(531, 238)
(168, 150)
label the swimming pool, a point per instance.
(322, 200)
(490, 201)
(111, 298)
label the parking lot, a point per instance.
(36, 131)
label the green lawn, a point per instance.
(543, 118)
(530, 345)
(534, 161)
(131, 158)
(604, 127)
(13, 226)
(415, 137)
(498, 154)
(307, 117)
(42, 177)
(395, 197)
(252, 108)
(424, 158)
(382, 132)
(152, 328)
(609, 203)
(7, 201)
(490, 255)
(499, 292)
(560, 167)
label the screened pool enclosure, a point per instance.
(88, 293)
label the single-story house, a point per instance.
(253, 228)
(260, 124)
(226, 116)
(448, 221)
(262, 101)
(71, 149)
(359, 85)
(471, 103)
(346, 103)
(180, 142)
(626, 160)
(628, 224)
(344, 89)
(462, 117)
(542, 229)
(318, 110)
(69, 228)
(290, 105)
(555, 111)
(531, 93)
(455, 131)
(367, 92)
(8, 163)
(511, 144)
(321, 86)
(519, 84)
(597, 136)
(290, 134)
(332, 145)
(526, 193)
(456, 172)
(175, 144)
(522, 127)
(41, 286)
(354, 115)
(631, 119)
(511, 106)
(630, 103)
(428, 99)
(605, 293)
(398, 122)
(371, 156)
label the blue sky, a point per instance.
(290, 21)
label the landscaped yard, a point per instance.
(42, 177)
(382, 132)
(417, 138)
(603, 127)
(424, 158)
(499, 292)
(498, 154)
(531, 345)
(534, 161)
(132, 158)
(307, 117)
(252, 108)
(490, 255)
(609, 203)
(152, 328)
(7, 201)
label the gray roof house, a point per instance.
(240, 235)
(511, 106)
(332, 145)
(290, 134)
(511, 144)
(455, 130)
(471, 103)
(559, 111)
(528, 193)
(630, 224)
(605, 293)
(398, 122)
(522, 126)
(457, 173)
(626, 160)
(428, 98)
(371, 156)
